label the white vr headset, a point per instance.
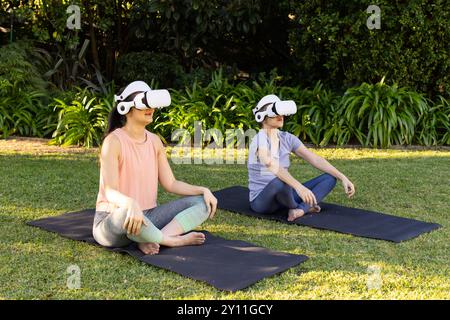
(275, 107)
(146, 98)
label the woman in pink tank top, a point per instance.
(132, 163)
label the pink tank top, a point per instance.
(138, 172)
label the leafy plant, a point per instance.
(379, 114)
(434, 126)
(83, 120)
(315, 111)
(23, 94)
(149, 67)
(220, 105)
(330, 41)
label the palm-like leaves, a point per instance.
(380, 115)
(434, 125)
(375, 115)
(83, 121)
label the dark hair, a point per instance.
(264, 108)
(115, 119)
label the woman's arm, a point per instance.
(323, 165)
(109, 170)
(284, 175)
(167, 179)
(318, 162)
(172, 185)
(274, 167)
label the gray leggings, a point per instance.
(108, 227)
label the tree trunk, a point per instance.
(94, 49)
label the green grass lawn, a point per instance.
(413, 184)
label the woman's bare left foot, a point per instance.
(149, 248)
(188, 239)
(295, 213)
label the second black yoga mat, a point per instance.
(225, 264)
(358, 222)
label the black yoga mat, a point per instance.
(358, 222)
(225, 264)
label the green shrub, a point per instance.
(17, 69)
(377, 115)
(443, 121)
(434, 126)
(219, 105)
(200, 76)
(315, 111)
(23, 94)
(331, 42)
(82, 120)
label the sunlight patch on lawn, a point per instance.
(196, 155)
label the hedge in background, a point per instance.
(331, 42)
(306, 41)
(149, 67)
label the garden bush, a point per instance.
(82, 118)
(376, 115)
(434, 127)
(330, 41)
(23, 94)
(158, 68)
(379, 115)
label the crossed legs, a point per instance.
(165, 225)
(278, 195)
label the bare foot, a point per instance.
(149, 248)
(192, 238)
(314, 209)
(295, 213)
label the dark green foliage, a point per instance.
(377, 115)
(16, 67)
(198, 34)
(23, 94)
(82, 118)
(307, 41)
(150, 67)
(201, 33)
(331, 42)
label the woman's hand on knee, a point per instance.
(306, 195)
(135, 218)
(210, 201)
